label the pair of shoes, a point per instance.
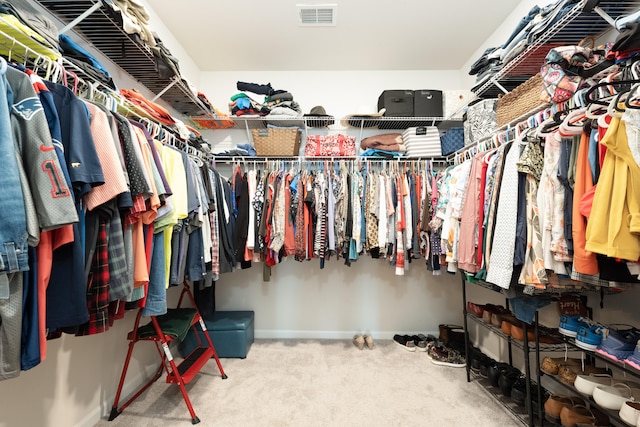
(578, 415)
(618, 344)
(405, 341)
(421, 341)
(519, 392)
(614, 396)
(475, 309)
(444, 356)
(551, 366)
(515, 329)
(554, 405)
(360, 341)
(453, 337)
(568, 373)
(569, 325)
(507, 379)
(491, 309)
(495, 370)
(634, 359)
(480, 362)
(590, 337)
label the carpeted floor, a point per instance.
(321, 383)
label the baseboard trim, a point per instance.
(330, 335)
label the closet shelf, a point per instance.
(369, 123)
(571, 286)
(568, 30)
(520, 344)
(128, 53)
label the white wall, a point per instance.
(303, 301)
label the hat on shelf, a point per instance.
(320, 118)
(361, 118)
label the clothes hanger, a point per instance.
(573, 122)
(612, 86)
(544, 129)
(632, 100)
(614, 108)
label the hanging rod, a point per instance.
(255, 159)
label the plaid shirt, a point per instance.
(98, 288)
(119, 284)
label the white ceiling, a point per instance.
(264, 35)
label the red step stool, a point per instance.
(162, 330)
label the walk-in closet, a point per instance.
(319, 213)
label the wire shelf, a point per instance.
(570, 29)
(561, 346)
(309, 122)
(127, 51)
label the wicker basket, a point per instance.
(520, 100)
(276, 142)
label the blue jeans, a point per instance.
(156, 303)
(13, 223)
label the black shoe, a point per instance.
(405, 341)
(453, 336)
(495, 369)
(519, 391)
(480, 362)
(507, 379)
(420, 344)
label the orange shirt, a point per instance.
(583, 261)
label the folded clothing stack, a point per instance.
(422, 141)
(283, 109)
(387, 145)
(156, 111)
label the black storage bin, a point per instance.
(428, 103)
(398, 103)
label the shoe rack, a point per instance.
(527, 347)
(538, 382)
(620, 370)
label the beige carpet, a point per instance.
(321, 383)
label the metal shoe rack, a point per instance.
(536, 381)
(526, 416)
(592, 356)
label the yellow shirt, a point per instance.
(613, 228)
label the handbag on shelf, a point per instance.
(566, 68)
(452, 140)
(330, 146)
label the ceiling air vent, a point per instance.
(317, 15)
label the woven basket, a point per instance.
(276, 142)
(520, 100)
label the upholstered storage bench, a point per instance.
(230, 331)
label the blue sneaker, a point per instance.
(569, 325)
(618, 344)
(589, 337)
(634, 359)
